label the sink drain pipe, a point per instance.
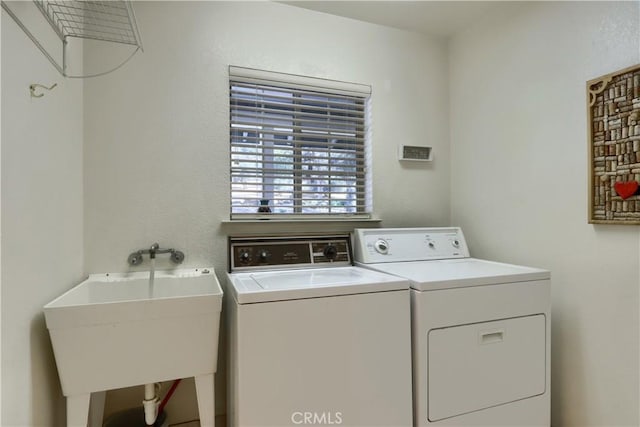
(151, 403)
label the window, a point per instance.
(299, 146)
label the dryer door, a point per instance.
(477, 366)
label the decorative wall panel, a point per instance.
(614, 147)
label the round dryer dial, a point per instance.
(381, 246)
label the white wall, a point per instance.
(519, 187)
(156, 131)
(42, 223)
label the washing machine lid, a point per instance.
(283, 285)
(458, 273)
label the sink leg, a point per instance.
(96, 408)
(206, 400)
(78, 410)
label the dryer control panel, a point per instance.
(373, 245)
(273, 252)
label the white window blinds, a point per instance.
(299, 146)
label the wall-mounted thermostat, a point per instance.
(415, 153)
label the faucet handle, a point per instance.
(135, 258)
(177, 256)
(154, 247)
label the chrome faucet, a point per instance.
(153, 250)
(135, 258)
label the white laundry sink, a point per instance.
(114, 330)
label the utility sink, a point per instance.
(118, 330)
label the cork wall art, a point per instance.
(613, 106)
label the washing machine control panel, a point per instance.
(272, 252)
(409, 244)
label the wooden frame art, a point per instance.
(613, 111)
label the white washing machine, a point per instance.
(314, 340)
(480, 329)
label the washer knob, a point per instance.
(244, 257)
(381, 246)
(330, 251)
(432, 245)
(456, 243)
(263, 255)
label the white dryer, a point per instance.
(314, 340)
(480, 329)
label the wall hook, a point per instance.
(34, 86)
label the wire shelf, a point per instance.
(111, 21)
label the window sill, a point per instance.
(297, 221)
(260, 226)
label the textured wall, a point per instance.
(42, 247)
(519, 187)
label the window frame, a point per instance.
(239, 76)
